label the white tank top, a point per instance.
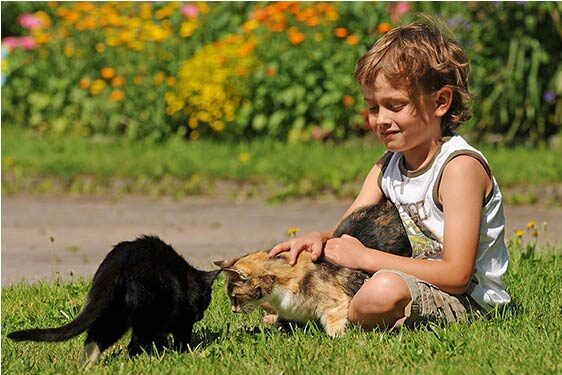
(415, 195)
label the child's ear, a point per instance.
(443, 100)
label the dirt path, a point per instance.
(201, 229)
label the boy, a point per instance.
(414, 81)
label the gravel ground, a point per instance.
(49, 237)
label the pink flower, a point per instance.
(29, 21)
(189, 11)
(11, 42)
(27, 42)
(398, 10)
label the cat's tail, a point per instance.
(99, 298)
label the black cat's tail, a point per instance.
(99, 299)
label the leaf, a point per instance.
(259, 122)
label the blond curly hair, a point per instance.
(421, 58)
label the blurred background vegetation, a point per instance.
(247, 70)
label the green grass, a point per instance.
(40, 164)
(524, 339)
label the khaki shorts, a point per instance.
(430, 304)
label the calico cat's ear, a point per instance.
(223, 264)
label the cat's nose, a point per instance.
(235, 308)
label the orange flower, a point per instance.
(384, 27)
(347, 100)
(85, 83)
(117, 81)
(295, 36)
(271, 72)
(352, 40)
(341, 32)
(107, 73)
(116, 95)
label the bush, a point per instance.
(281, 70)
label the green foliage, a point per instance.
(516, 74)
(227, 343)
(283, 70)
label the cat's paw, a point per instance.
(270, 319)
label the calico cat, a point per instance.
(319, 291)
(144, 285)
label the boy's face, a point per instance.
(396, 120)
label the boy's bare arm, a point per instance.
(313, 242)
(463, 188)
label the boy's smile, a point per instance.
(400, 125)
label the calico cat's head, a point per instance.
(246, 285)
(203, 298)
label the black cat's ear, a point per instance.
(211, 276)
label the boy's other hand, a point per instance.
(311, 242)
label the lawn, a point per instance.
(526, 338)
(275, 170)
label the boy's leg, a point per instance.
(392, 298)
(380, 302)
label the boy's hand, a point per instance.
(311, 242)
(345, 251)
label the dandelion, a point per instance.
(292, 231)
(341, 32)
(531, 224)
(244, 157)
(107, 73)
(519, 233)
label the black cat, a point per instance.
(144, 285)
(377, 226)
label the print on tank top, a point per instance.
(423, 245)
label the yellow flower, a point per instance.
(159, 77)
(194, 135)
(531, 224)
(171, 81)
(292, 231)
(519, 233)
(244, 157)
(250, 25)
(187, 29)
(100, 47)
(97, 87)
(69, 51)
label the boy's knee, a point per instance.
(385, 293)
